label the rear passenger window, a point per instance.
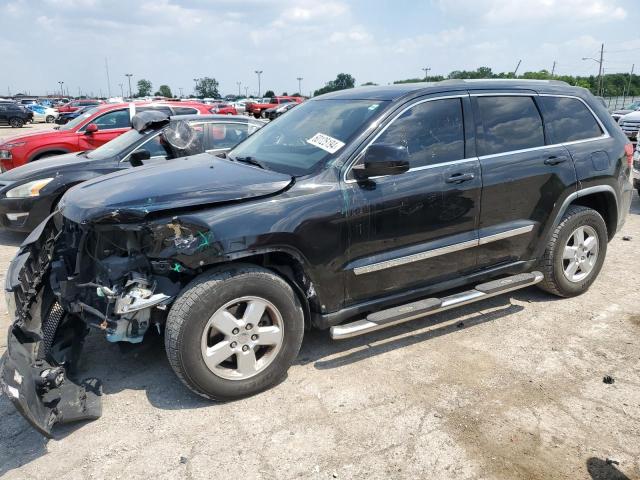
(568, 119)
(509, 123)
(432, 132)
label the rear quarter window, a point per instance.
(185, 111)
(568, 120)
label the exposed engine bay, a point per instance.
(69, 278)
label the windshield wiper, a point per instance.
(250, 161)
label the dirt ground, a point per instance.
(511, 388)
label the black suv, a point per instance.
(357, 210)
(14, 115)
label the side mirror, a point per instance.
(91, 128)
(382, 159)
(136, 158)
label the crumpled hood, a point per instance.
(44, 167)
(130, 195)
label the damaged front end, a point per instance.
(70, 277)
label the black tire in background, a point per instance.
(16, 122)
(193, 309)
(552, 264)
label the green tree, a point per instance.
(144, 88)
(269, 94)
(164, 91)
(207, 88)
(342, 81)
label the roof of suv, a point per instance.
(393, 92)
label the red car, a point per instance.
(257, 109)
(88, 131)
(76, 104)
(224, 109)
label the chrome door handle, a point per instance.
(460, 177)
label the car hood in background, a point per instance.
(45, 167)
(199, 180)
(633, 116)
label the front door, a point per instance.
(525, 176)
(420, 227)
(110, 125)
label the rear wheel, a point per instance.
(575, 253)
(50, 119)
(235, 332)
(16, 122)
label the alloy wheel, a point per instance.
(242, 338)
(580, 253)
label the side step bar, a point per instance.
(429, 306)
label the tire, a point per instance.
(256, 115)
(555, 267)
(50, 119)
(16, 122)
(190, 334)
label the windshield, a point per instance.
(298, 142)
(633, 106)
(78, 120)
(115, 146)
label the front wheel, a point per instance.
(575, 252)
(234, 332)
(50, 119)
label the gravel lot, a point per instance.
(511, 388)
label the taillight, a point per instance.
(628, 151)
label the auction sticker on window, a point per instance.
(326, 143)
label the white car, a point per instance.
(42, 113)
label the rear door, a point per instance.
(3, 114)
(524, 174)
(419, 227)
(110, 125)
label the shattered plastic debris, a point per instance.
(611, 461)
(627, 238)
(608, 379)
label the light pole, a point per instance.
(195, 89)
(121, 91)
(426, 72)
(299, 84)
(129, 75)
(181, 94)
(258, 72)
(246, 92)
(239, 91)
(61, 90)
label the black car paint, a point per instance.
(69, 170)
(316, 229)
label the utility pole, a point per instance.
(239, 91)
(79, 92)
(246, 92)
(106, 66)
(299, 84)
(600, 85)
(515, 72)
(121, 91)
(129, 75)
(553, 69)
(181, 94)
(627, 91)
(426, 72)
(259, 73)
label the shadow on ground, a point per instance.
(602, 470)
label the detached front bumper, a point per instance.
(37, 385)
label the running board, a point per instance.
(429, 306)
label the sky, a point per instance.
(174, 41)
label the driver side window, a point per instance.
(156, 147)
(111, 120)
(432, 132)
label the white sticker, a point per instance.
(326, 143)
(13, 392)
(17, 377)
